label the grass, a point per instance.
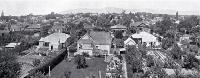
(94, 65)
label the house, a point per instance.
(130, 41)
(185, 38)
(118, 27)
(12, 45)
(142, 38)
(95, 43)
(55, 41)
(4, 32)
(15, 28)
(88, 26)
(140, 26)
(58, 28)
(33, 27)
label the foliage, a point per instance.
(67, 74)
(36, 62)
(44, 31)
(158, 71)
(176, 52)
(39, 75)
(167, 43)
(134, 57)
(188, 23)
(164, 25)
(85, 54)
(80, 60)
(191, 62)
(150, 61)
(118, 34)
(9, 67)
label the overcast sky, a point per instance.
(23, 7)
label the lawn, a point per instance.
(94, 65)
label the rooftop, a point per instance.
(99, 37)
(55, 38)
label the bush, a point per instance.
(85, 54)
(67, 74)
(36, 62)
(80, 61)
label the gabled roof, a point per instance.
(97, 38)
(56, 38)
(118, 26)
(118, 42)
(146, 37)
(101, 37)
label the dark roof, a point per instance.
(99, 37)
(4, 31)
(118, 42)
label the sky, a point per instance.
(24, 7)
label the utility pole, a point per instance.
(49, 71)
(67, 52)
(99, 73)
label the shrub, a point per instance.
(85, 54)
(36, 62)
(80, 61)
(67, 74)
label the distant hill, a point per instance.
(120, 10)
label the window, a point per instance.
(97, 47)
(80, 46)
(46, 44)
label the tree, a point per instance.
(36, 62)
(118, 34)
(188, 23)
(39, 75)
(159, 72)
(9, 67)
(44, 31)
(166, 43)
(67, 74)
(80, 61)
(164, 25)
(150, 61)
(176, 52)
(133, 58)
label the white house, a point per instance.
(54, 41)
(142, 37)
(12, 45)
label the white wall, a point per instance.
(104, 47)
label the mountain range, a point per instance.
(120, 10)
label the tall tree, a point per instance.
(134, 58)
(164, 25)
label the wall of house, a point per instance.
(41, 44)
(104, 47)
(55, 46)
(86, 51)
